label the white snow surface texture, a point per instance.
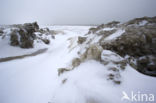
(35, 79)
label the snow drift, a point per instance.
(82, 64)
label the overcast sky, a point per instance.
(73, 11)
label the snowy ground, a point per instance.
(35, 79)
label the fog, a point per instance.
(73, 12)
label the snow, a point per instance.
(142, 23)
(75, 30)
(35, 79)
(8, 51)
(107, 29)
(109, 55)
(84, 82)
(115, 35)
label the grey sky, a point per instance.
(74, 11)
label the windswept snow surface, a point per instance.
(35, 79)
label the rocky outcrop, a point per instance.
(147, 65)
(1, 32)
(149, 20)
(92, 30)
(117, 45)
(138, 41)
(44, 30)
(135, 42)
(46, 41)
(76, 62)
(14, 38)
(112, 24)
(81, 40)
(106, 33)
(24, 35)
(62, 70)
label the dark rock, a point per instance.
(147, 65)
(151, 67)
(117, 82)
(104, 62)
(31, 27)
(44, 30)
(53, 36)
(14, 38)
(112, 24)
(24, 35)
(26, 38)
(27, 44)
(106, 33)
(93, 30)
(76, 62)
(81, 40)
(64, 81)
(100, 26)
(113, 69)
(138, 20)
(133, 44)
(136, 41)
(46, 41)
(122, 64)
(111, 76)
(1, 32)
(62, 70)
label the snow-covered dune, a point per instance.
(83, 78)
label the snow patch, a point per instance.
(115, 35)
(142, 23)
